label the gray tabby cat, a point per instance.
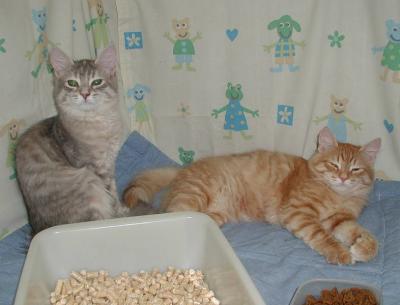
(65, 164)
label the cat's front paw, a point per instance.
(133, 195)
(364, 248)
(339, 256)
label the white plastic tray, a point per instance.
(182, 240)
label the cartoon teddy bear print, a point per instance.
(337, 120)
(183, 45)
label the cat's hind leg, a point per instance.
(195, 201)
(147, 184)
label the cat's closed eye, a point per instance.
(333, 165)
(356, 170)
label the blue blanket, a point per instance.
(276, 261)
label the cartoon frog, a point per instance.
(391, 53)
(235, 119)
(183, 45)
(337, 120)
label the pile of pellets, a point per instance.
(172, 287)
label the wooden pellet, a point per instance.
(172, 287)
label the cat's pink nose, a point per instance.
(343, 177)
(85, 94)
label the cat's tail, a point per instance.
(144, 186)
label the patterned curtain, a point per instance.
(213, 77)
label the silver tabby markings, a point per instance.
(65, 164)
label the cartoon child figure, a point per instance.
(12, 128)
(142, 116)
(183, 44)
(235, 119)
(186, 156)
(391, 53)
(39, 17)
(285, 46)
(98, 24)
(337, 120)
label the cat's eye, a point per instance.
(334, 165)
(356, 170)
(97, 82)
(72, 83)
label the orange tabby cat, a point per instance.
(318, 200)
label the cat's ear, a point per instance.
(107, 61)
(326, 140)
(60, 61)
(370, 150)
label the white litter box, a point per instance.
(182, 240)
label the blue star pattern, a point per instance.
(285, 115)
(133, 40)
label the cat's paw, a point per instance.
(133, 195)
(364, 248)
(339, 256)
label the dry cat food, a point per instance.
(174, 286)
(350, 296)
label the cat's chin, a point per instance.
(87, 106)
(348, 189)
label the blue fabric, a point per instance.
(13, 250)
(276, 261)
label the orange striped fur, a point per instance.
(318, 200)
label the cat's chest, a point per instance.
(337, 203)
(94, 144)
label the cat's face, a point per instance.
(84, 86)
(346, 168)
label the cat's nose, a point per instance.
(85, 94)
(343, 177)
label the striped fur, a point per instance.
(65, 164)
(318, 200)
